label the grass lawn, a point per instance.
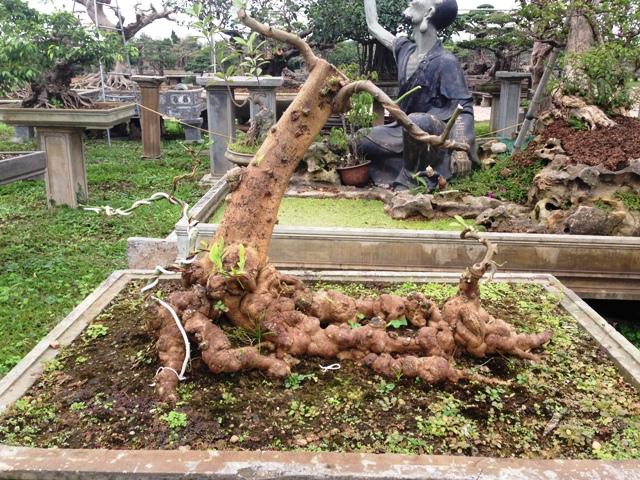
(51, 259)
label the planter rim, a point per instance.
(34, 463)
(67, 117)
(354, 166)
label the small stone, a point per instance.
(489, 162)
(184, 448)
(498, 148)
(505, 172)
(234, 439)
(132, 433)
(596, 446)
(55, 345)
(300, 442)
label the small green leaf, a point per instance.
(398, 323)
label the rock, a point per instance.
(591, 221)
(404, 205)
(300, 442)
(488, 162)
(498, 148)
(551, 149)
(55, 345)
(234, 439)
(508, 217)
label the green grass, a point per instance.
(312, 212)
(504, 180)
(482, 129)
(52, 258)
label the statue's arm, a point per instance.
(375, 29)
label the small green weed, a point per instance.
(175, 420)
(295, 380)
(96, 331)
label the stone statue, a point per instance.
(396, 158)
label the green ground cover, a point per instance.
(313, 212)
(51, 259)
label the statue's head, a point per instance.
(439, 13)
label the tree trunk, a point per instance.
(235, 276)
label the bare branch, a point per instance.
(290, 38)
(341, 104)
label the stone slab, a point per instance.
(25, 165)
(239, 82)
(84, 118)
(147, 253)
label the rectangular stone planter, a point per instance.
(593, 266)
(32, 463)
(97, 118)
(22, 166)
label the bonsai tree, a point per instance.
(233, 276)
(46, 51)
(97, 12)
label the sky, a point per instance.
(162, 28)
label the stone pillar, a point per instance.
(222, 123)
(192, 132)
(222, 113)
(150, 122)
(66, 176)
(509, 107)
(22, 134)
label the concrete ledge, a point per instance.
(25, 165)
(24, 463)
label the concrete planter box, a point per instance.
(31, 463)
(22, 166)
(595, 267)
(59, 133)
(83, 118)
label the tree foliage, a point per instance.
(46, 50)
(494, 31)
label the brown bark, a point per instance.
(235, 275)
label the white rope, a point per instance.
(187, 345)
(112, 212)
(328, 368)
(160, 370)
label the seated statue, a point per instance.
(396, 158)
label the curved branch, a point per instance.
(290, 38)
(477, 270)
(341, 104)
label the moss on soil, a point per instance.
(312, 212)
(573, 404)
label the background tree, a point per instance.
(335, 21)
(495, 32)
(107, 17)
(46, 51)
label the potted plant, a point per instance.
(242, 150)
(354, 168)
(45, 51)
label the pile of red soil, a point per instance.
(613, 148)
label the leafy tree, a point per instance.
(46, 51)
(496, 32)
(334, 21)
(157, 54)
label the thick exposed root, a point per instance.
(112, 81)
(295, 322)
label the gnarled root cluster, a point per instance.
(294, 322)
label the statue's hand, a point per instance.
(460, 164)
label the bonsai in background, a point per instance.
(45, 51)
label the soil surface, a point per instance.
(612, 148)
(573, 404)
